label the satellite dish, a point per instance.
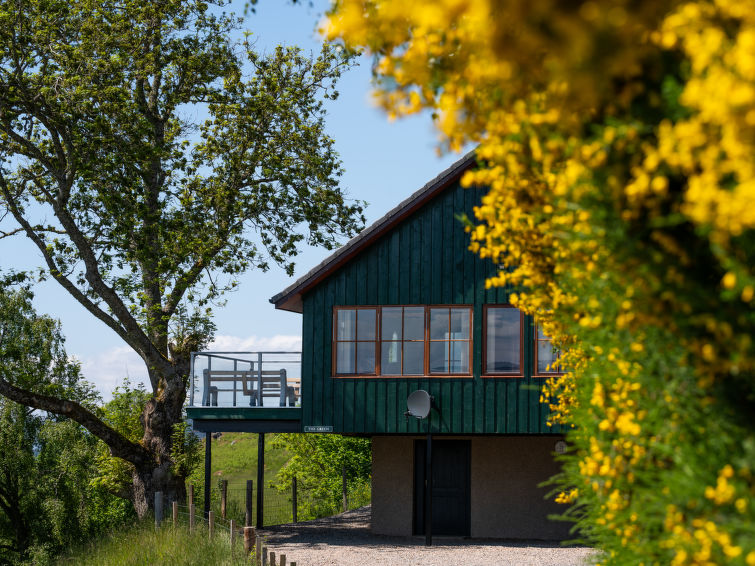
(418, 404)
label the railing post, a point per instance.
(191, 370)
(293, 499)
(158, 508)
(223, 497)
(260, 399)
(249, 494)
(235, 369)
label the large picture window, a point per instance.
(402, 341)
(502, 351)
(546, 356)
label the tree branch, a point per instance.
(56, 273)
(119, 445)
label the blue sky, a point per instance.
(384, 162)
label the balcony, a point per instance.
(245, 391)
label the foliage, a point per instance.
(143, 545)
(618, 143)
(123, 413)
(151, 159)
(46, 499)
(318, 460)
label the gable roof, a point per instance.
(290, 298)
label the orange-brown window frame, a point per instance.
(535, 372)
(335, 341)
(484, 368)
(378, 343)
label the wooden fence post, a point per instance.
(345, 496)
(192, 514)
(293, 499)
(191, 494)
(211, 523)
(249, 536)
(223, 497)
(158, 508)
(233, 535)
(175, 514)
(249, 490)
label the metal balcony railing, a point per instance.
(245, 379)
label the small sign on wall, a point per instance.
(318, 428)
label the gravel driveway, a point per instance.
(346, 540)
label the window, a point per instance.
(546, 356)
(402, 341)
(503, 341)
(355, 341)
(449, 340)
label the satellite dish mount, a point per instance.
(418, 405)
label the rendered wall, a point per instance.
(505, 499)
(392, 484)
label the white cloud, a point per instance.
(277, 343)
(109, 368)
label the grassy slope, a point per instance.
(234, 458)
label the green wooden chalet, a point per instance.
(404, 307)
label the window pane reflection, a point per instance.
(503, 340)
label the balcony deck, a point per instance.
(245, 392)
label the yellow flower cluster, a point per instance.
(701, 543)
(589, 117)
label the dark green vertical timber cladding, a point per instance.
(422, 260)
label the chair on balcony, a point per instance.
(254, 383)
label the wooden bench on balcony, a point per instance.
(274, 383)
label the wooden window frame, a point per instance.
(535, 372)
(484, 367)
(335, 341)
(429, 341)
(378, 343)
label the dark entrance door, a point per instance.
(451, 487)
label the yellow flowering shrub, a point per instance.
(617, 140)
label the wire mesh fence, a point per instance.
(236, 500)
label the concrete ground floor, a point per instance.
(500, 497)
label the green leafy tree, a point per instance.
(47, 500)
(318, 461)
(152, 160)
